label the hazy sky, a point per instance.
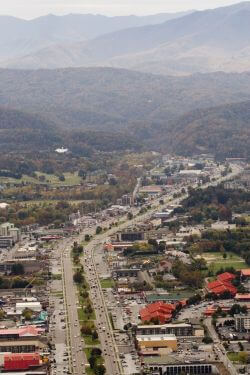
(34, 8)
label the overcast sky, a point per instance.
(34, 8)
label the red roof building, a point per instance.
(158, 310)
(242, 297)
(210, 310)
(222, 284)
(21, 361)
(226, 276)
(16, 333)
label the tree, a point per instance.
(96, 352)
(130, 216)
(100, 370)
(87, 237)
(86, 330)
(27, 314)
(94, 335)
(98, 230)
(62, 178)
(82, 174)
(78, 277)
(17, 269)
(2, 314)
(207, 340)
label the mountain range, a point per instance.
(20, 37)
(201, 41)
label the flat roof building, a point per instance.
(157, 342)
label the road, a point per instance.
(219, 347)
(105, 332)
(78, 357)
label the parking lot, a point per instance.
(57, 325)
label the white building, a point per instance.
(34, 306)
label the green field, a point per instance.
(71, 179)
(107, 283)
(215, 261)
(89, 341)
(82, 316)
(239, 357)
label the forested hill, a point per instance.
(223, 131)
(114, 109)
(114, 99)
(22, 132)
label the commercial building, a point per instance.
(222, 285)
(131, 236)
(21, 340)
(9, 230)
(125, 272)
(242, 323)
(157, 343)
(34, 306)
(156, 366)
(245, 273)
(242, 297)
(159, 311)
(21, 361)
(177, 329)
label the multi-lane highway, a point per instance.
(78, 358)
(110, 352)
(108, 345)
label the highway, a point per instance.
(78, 358)
(105, 332)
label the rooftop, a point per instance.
(156, 338)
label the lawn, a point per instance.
(100, 361)
(216, 261)
(56, 276)
(85, 317)
(89, 341)
(107, 283)
(238, 265)
(217, 256)
(71, 179)
(80, 313)
(239, 357)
